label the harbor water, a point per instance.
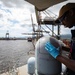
(14, 53)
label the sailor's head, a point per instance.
(67, 15)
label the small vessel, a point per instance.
(41, 5)
(29, 39)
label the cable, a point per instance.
(45, 31)
(51, 12)
(50, 29)
(48, 14)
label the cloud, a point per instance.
(12, 3)
(15, 16)
(26, 25)
(16, 3)
(13, 21)
(1, 15)
(5, 9)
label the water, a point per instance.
(14, 53)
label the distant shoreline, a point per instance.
(13, 39)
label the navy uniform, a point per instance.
(70, 72)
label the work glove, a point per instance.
(52, 50)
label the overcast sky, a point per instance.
(15, 17)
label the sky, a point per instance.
(15, 17)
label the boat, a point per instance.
(40, 5)
(39, 65)
(29, 39)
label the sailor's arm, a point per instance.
(68, 62)
(56, 54)
(65, 48)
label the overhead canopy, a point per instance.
(44, 4)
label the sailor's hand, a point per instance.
(51, 49)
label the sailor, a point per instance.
(67, 18)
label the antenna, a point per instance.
(32, 23)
